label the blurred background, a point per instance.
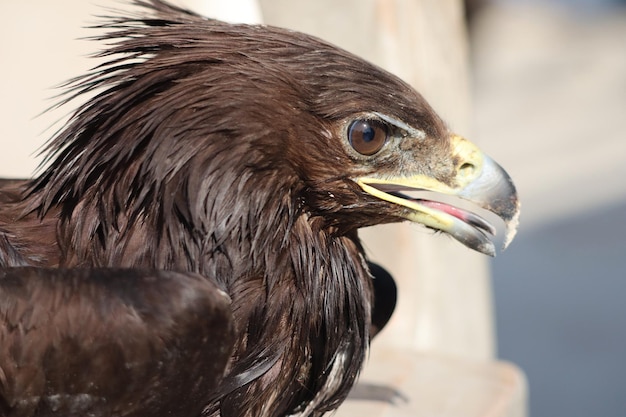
(549, 104)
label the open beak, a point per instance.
(478, 179)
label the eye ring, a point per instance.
(367, 137)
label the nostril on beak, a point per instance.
(467, 170)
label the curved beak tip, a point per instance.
(488, 250)
(511, 227)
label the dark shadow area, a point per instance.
(560, 295)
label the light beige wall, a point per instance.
(40, 48)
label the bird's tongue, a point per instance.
(436, 201)
(463, 215)
(451, 210)
(424, 198)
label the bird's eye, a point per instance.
(367, 136)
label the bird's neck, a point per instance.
(300, 292)
(303, 304)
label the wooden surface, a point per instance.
(398, 383)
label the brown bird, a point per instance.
(191, 248)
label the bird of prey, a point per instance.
(191, 248)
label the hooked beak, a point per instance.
(478, 179)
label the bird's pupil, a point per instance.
(368, 133)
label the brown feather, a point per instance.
(216, 149)
(87, 329)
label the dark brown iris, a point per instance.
(367, 136)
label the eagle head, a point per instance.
(192, 115)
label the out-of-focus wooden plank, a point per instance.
(429, 385)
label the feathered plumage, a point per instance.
(193, 239)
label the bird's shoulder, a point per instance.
(98, 341)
